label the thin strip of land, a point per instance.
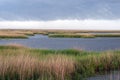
(58, 33)
(84, 35)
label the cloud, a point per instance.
(59, 9)
(63, 24)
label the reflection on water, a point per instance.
(40, 41)
(114, 75)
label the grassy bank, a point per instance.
(57, 33)
(107, 35)
(20, 63)
(9, 36)
(83, 35)
(14, 34)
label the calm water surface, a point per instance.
(114, 75)
(44, 42)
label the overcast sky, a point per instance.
(54, 10)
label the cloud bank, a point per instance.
(59, 9)
(63, 24)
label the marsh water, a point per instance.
(45, 42)
(114, 75)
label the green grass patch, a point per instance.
(13, 37)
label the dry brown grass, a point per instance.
(15, 33)
(60, 66)
(15, 45)
(7, 35)
(25, 67)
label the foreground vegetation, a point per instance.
(20, 63)
(58, 33)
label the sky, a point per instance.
(60, 14)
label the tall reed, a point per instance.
(25, 67)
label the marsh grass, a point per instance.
(85, 35)
(18, 63)
(7, 35)
(57, 33)
(15, 33)
(93, 64)
(21, 63)
(108, 35)
(26, 67)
